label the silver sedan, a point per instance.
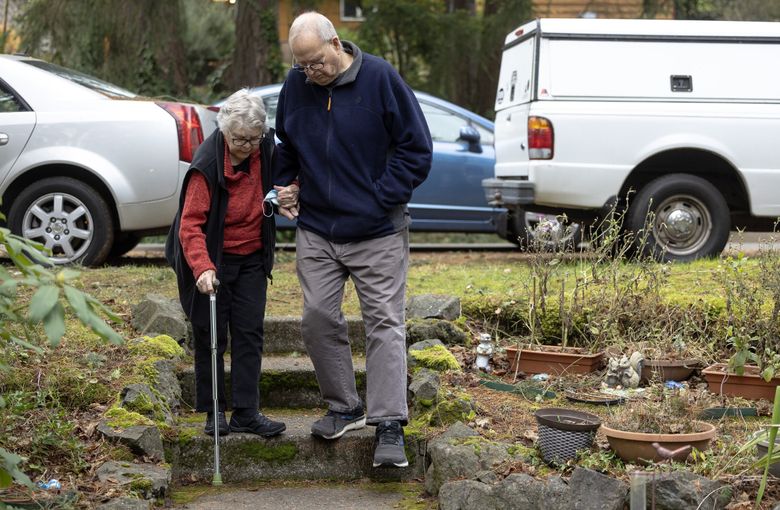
(86, 167)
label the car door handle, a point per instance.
(3, 139)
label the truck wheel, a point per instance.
(543, 232)
(687, 218)
(67, 216)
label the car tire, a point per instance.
(690, 219)
(67, 216)
(524, 231)
(123, 243)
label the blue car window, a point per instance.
(444, 126)
(270, 109)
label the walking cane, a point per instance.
(213, 316)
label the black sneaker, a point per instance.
(390, 445)
(257, 424)
(334, 424)
(223, 424)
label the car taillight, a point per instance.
(540, 138)
(188, 127)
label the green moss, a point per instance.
(141, 485)
(121, 452)
(186, 436)
(436, 357)
(121, 418)
(257, 451)
(161, 346)
(452, 407)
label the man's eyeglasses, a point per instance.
(309, 67)
(243, 142)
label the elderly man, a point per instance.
(354, 144)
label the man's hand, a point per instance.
(205, 283)
(288, 200)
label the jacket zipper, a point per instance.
(327, 157)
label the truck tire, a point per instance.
(690, 219)
(67, 216)
(542, 232)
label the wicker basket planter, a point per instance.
(562, 432)
(554, 360)
(749, 385)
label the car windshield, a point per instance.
(86, 80)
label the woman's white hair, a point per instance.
(312, 22)
(244, 110)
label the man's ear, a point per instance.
(336, 42)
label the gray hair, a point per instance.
(312, 22)
(242, 109)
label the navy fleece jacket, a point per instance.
(358, 148)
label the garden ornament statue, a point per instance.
(484, 352)
(624, 372)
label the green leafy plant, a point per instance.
(772, 455)
(52, 297)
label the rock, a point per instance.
(468, 495)
(425, 386)
(167, 383)
(125, 504)
(519, 490)
(433, 306)
(457, 430)
(141, 399)
(461, 458)
(147, 480)
(452, 408)
(425, 344)
(590, 490)
(682, 490)
(435, 356)
(141, 439)
(486, 476)
(418, 330)
(160, 315)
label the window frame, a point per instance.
(344, 17)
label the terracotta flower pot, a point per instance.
(749, 385)
(638, 446)
(668, 369)
(554, 360)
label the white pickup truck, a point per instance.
(673, 121)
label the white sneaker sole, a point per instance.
(355, 425)
(392, 464)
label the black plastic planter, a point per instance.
(562, 432)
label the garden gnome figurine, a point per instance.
(484, 351)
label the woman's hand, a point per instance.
(205, 283)
(288, 200)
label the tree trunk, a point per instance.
(256, 57)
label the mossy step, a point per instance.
(286, 381)
(293, 455)
(282, 334)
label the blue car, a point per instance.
(451, 199)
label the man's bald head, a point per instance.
(312, 24)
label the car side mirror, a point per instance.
(470, 135)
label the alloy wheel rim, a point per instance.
(62, 223)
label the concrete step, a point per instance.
(286, 381)
(293, 455)
(283, 334)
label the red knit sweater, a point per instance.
(242, 220)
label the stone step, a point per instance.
(283, 334)
(286, 381)
(293, 455)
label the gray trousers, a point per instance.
(378, 269)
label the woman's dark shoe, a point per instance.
(257, 424)
(223, 424)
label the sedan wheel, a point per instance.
(68, 217)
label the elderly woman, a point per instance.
(221, 233)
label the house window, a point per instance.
(351, 10)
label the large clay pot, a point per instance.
(554, 360)
(668, 369)
(749, 385)
(638, 446)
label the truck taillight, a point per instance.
(540, 138)
(188, 128)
